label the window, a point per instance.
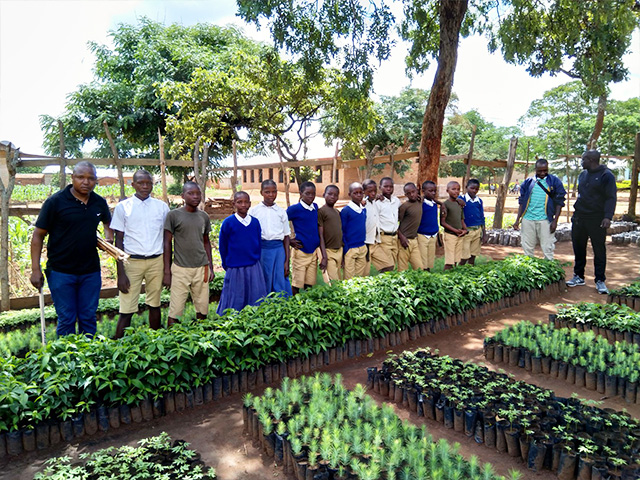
(271, 174)
(260, 176)
(319, 175)
(280, 176)
(337, 179)
(253, 177)
(244, 176)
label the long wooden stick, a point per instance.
(113, 251)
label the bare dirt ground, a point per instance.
(215, 430)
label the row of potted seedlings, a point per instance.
(617, 323)
(628, 295)
(65, 389)
(572, 439)
(583, 359)
(317, 429)
(155, 457)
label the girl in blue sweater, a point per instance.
(240, 248)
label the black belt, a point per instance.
(393, 234)
(143, 257)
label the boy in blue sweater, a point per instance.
(429, 226)
(354, 232)
(240, 249)
(474, 220)
(304, 218)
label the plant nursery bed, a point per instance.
(628, 295)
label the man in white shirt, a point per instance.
(138, 223)
(381, 261)
(388, 208)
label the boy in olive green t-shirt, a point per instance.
(452, 220)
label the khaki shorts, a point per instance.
(472, 243)
(334, 262)
(151, 271)
(189, 280)
(452, 248)
(389, 244)
(409, 256)
(304, 268)
(427, 247)
(355, 262)
(378, 256)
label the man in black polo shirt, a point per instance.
(70, 218)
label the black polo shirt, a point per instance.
(72, 225)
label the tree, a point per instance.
(584, 39)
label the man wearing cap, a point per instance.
(593, 212)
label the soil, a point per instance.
(215, 430)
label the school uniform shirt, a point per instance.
(429, 225)
(354, 230)
(188, 230)
(329, 220)
(240, 241)
(455, 214)
(273, 221)
(410, 216)
(388, 214)
(473, 211)
(142, 223)
(373, 217)
(305, 224)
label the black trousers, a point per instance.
(582, 230)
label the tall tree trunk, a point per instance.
(597, 129)
(452, 13)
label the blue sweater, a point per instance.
(354, 228)
(474, 213)
(555, 188)
(429, 224)
(305, 224)
(240, 246)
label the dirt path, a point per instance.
(215, 430)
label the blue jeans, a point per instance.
(75, 297)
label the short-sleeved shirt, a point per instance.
(188, 230)
(388, 214)
(142, 222)
(410, 215)
(455, 214)
(329, 220)
(537, 208)
(273, 221)
(71, 225)
(373, 217)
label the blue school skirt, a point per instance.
(242, 286)
(272, 260)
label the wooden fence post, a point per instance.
(285, 173)
(163, 169)
(63, 163)
(503, 188)
(8, 164)
(467, 175)
(635, 170)
(234, 176)
(116, 159)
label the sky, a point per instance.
(44, 56)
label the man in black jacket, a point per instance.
(592, 216)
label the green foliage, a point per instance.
(156, 457)
(39, 193)
(73, 373)
(609, 315)
(631, 290)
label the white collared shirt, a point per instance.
(246, 221)
(388, 214)
(372, 235)
(355, 207)
(467, 198)
(431, 203)
(311, 207)
(142, 222)
(273, 221)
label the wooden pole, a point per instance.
(203, 173)
(526, 167)
(63, 163)
(116, 158)
(392, 164)
(467, 175)
(7, 181)
(234, 176)
(504, 186)
(163, 169)
(334, 164)
(635, 170)
(285, 173)
(567, 164)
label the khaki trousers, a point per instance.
(334, 262)
(410, 255)
(452, 248)
(304, 268)
(533, 231)
(427, 247)
(472, 243)
(355, 262)
(389, 244)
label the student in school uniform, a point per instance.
(240, 247)
(304, 218)
(388, 207)
(429, 226)
(452, 220)
(474, 220)
(138, 223)
(354, 232)
(377, 256)
(274, 256)
(330, 230)
(409, 216)
(187, 263)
